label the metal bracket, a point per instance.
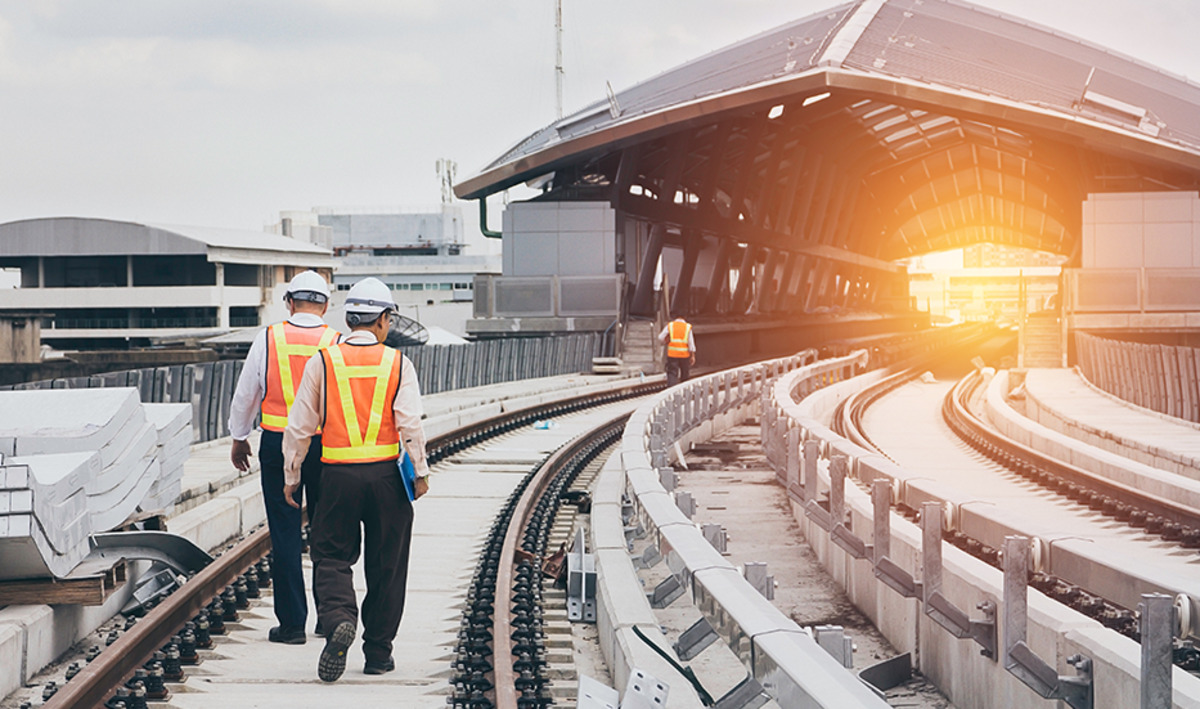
(649, 557)
(581, 583)
(665, 593)
(841, 534)
(937, 606)
(886, 570)
(748, 694)
(173, 551)
(1019, 658)
(694, 640)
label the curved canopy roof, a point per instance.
(889, 127)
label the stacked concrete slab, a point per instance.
(77, 462)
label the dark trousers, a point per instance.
(287, 574)
(678, 369)
(363, 504)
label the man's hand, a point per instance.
(692, 360)
(289, 490)
(420, 487)
(240, 455)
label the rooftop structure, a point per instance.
(788, 173)
(102, 282)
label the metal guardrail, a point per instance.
(209, 386)
(785, 659)
(796, 441)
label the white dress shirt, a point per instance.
(252, 384)
(308, 411)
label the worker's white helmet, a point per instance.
(369, 296)
(308, 285)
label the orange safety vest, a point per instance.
(677, 345)
(361, 382)
(289, 347)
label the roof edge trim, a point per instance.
(847, 36)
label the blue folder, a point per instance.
(408, 473)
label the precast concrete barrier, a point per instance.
(1161, 378)
(781, 656)
(977, 634)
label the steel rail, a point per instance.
(99, 678)
(503, 675)
(96, 681)
(968, 425)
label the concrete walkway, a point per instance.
(1062, 400)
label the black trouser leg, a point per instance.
(336, 542)
(283, 520)
(685, 368)
(387, 522)
(310, 477)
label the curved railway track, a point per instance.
(1082, 490)
(142, 661)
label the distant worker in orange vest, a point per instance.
(364, 396)
(681, 350)
(267, 387)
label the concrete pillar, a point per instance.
(41, 272)
(128, 270)
(222, 306)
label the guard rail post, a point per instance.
(812, 451)
(1157, 617)
(1019, 658)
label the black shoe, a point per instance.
(287, 636)
(379, 667)
(333, 658)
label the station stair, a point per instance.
(640, 346)
(1042, 343)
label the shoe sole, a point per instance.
(378, 670)
(333, 658)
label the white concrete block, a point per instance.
(12, 650)
(209, 525)
(36, 625)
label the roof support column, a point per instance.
(785, 268)
(720, 274)
(681, 303)
(643, 293)
(744, 278)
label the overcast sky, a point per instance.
(224, 112)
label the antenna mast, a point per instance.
(558, 65)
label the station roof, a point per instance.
(956, 123)
(77, 236)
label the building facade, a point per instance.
(105, 283)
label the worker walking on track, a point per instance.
(267, 386)
(365, 397)
(681, 350)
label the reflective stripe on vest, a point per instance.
(677, 346)
(343, 439)
(288, 346)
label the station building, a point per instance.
(101, 283)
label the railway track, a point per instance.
(1108, 597)
(142, 663)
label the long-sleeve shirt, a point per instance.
(308, 411)
(252, 384)
(666, 335)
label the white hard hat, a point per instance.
(370, 296)
(306, 285)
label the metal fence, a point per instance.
(208, 386)
(1163, 378)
